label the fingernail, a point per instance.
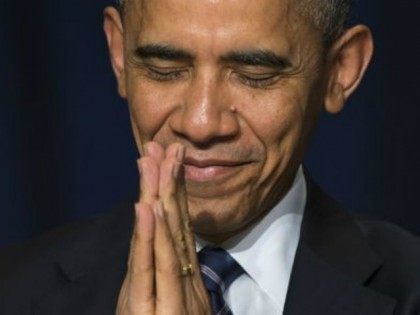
(137, 210)
(175, 170)
(181, 153)
(146, 149)
(139, 167)
(159, 210)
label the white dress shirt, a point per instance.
(266, 252)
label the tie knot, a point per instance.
(218, 268)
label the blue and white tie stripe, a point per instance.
(218, 270)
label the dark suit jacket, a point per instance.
(343, 266)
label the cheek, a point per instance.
(149, 108)
(276, 118)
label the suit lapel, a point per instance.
(333, 264)
(317, 288)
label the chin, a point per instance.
(215, 216)
(208, 223)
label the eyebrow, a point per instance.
(264, 58)
(258, 57)
(164, 52)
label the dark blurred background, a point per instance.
(66, 150)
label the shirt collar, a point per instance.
(267, 249)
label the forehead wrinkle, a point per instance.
(278, 15)
(154, 11)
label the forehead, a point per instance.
(214, 24)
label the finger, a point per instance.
(149, 182)
(178, 151)
(155, 151)
(169, 288)
(168, 193)
(141, 262)
(176, 197)
(188, 233)
(185, 217)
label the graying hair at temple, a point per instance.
(329, 16)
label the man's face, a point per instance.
(239, 83)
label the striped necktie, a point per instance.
(218, 270)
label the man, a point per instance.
(223, 97)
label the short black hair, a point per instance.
(329, 16)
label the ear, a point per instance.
(114, 32)
(348, 60)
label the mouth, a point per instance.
(210, 169)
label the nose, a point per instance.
(206, 115)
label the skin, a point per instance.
(234, 132)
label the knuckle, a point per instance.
(167, 164)
(136, 237)
(141, 270)
(168, 268)
(179, 237)
(187, 226)
(139, 307)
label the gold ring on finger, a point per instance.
(187, 270)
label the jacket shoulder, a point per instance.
(399, 275)
(394, 244)
(29, 270)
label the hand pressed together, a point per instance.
(163, 275)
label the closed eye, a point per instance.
(165, 74)
(258, 80)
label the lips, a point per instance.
(202, 170)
